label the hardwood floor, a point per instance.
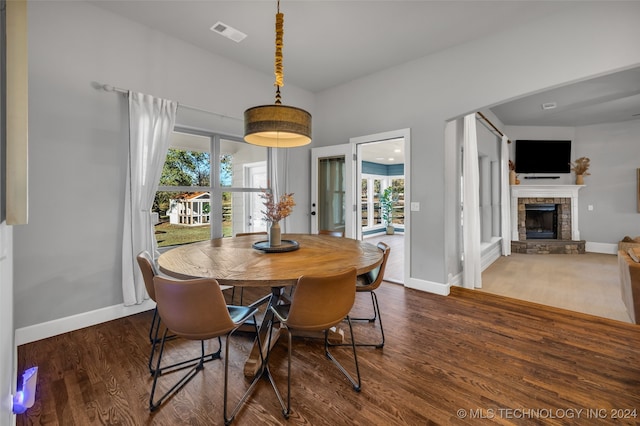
(394, 271)
(468, 358)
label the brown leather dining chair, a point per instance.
(196, 310)
(319, 303)
(370, 282)
(149, 271)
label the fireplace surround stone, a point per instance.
(565, 197)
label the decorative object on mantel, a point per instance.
(274, 212)
(277, 126)
(580, 167)
(512, 173)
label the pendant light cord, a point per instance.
(278, 65)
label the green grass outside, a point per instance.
(173, 235)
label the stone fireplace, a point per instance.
(544, 219)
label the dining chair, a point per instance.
(369, 282)
(319, 303)
(331, 232)
(196, 310)
(149, 271)
(233, 292)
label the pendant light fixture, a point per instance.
(277, 125)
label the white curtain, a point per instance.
(505, 198)
(471, 273)
(151, 121)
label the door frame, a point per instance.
(348, 152)
(379, 137)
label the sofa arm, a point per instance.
(630, 284)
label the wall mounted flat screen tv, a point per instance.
(543, 156)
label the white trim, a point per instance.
(491, 253)
(455, 280)
(603, 248)
(395, 134)
(427, 286)
(47, 329)
(545, 191)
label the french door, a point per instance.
(332, 189)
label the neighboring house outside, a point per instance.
(190, 209)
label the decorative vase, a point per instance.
(579, 180)
(275, 237)
(512, 177)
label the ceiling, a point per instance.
(386, 152)
(329, 43)
(611, 98)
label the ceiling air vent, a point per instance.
(549, 105)
(229, 32)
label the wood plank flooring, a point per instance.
(394, 272)
(466, 359)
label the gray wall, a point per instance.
(614, 150)
(611, 188)
(67, 260)
(424, 94)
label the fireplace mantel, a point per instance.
(545, 191)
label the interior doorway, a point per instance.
(382, 196)
(345, 193)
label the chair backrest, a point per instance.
(148, 269)
(330, 232)
(373, 278)
(320, 302)
(194, 309)
(244, 234)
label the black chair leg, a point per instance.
(285, 410)
(254, 381)
(182, 381)
(182, 364)
(376, 315)
(357, 385)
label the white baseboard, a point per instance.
(455, 280)
(490, 255)
(75, 322)
(603, 248)
(428, 286)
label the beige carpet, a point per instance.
(585, 283)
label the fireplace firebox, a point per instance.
(541, 221)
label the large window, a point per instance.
(209, 187)
(371, 188)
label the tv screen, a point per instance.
(548, 156)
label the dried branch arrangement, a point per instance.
(580, 166)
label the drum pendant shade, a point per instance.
(277, 126)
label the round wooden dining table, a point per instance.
(234, 261)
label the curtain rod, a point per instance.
(492, 125)
(109, 88)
